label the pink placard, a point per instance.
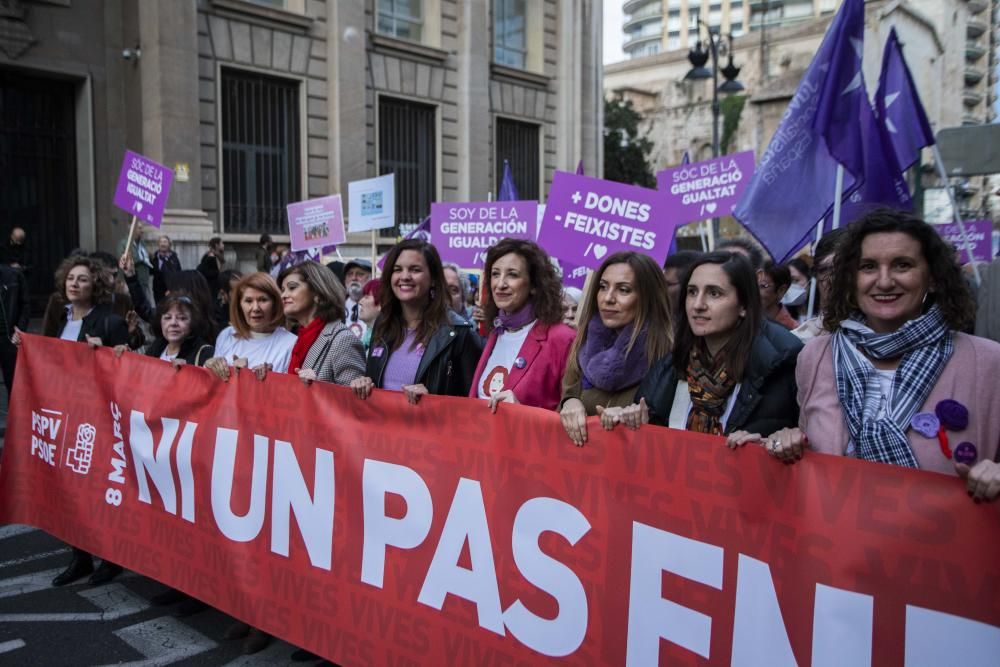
(587, 219)
(316, 223)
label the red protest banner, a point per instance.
(375, 532)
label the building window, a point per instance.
(518, 144)
(400, 18)
(407, 147)
(260, 151)
(510, 36)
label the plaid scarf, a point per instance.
(709, 385)
(925, 345)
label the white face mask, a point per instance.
(795, 296)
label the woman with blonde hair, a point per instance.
(625, 326)
(256, 337)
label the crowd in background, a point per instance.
(864, 348)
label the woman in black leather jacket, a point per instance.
(418, 345)
(731, 371)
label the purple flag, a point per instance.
(686, 159)
(508, 191)
(579, 168)
(793, 187)
(898, 102)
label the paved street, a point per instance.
(101, 625)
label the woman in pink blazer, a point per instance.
(528, 345)
(896, 381)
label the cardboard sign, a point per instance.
(143, 187)
(464, 232)
(371, 203)
(316, 223)
(708, 189)
(587, 219)
(979, 236)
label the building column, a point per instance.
(347, 69)
(474, 119)
(168, 68)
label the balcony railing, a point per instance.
(974, 51)
(971, 98)
(974, 28)
(642, 39)
(978, 6)
(973, 75)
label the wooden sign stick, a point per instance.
(131, 233)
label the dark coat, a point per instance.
(14, 300)
(100, 322)
(210, 267)
(766, 402)
(449, 362)
(171, 264)
(195, 351)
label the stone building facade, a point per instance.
(677, 113)
(258, 103)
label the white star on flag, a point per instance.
(859, 77)
(889, 99)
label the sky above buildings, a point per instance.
(614, 17)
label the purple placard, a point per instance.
(463, 232)
(316, 223)
(708, 189)
(979, 234)
(143, 186)
(587, 219)
(574, 276)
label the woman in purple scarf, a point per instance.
(525, 356)
(625, 326)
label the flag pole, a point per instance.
(704, 239)
(837, 196)
(954, 208)
(812, 281)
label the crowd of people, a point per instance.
(721, 342)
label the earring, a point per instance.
(433, 293)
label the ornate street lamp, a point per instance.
(698, 57)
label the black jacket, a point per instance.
(171, 264)
(210, 268)
(14, 300)
(766, 402)
(448, 364)
(102, 323)
(195, 351)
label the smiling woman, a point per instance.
(897, 362)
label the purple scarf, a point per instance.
(505, 321)
(603, 361)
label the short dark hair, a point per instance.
(214, 242)
(545, 283)
(779, 275)
(264, 238)
(957, 305)
(753, 251)
(200, 326)
(800, 265)
(828, 244)
(744, 280)
(681, 259)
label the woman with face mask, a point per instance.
(255, 338)
(625, 326)
(731, 371)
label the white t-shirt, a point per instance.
(273, 348)
(72, 329)
(681, 408)
(502, 360)
(167, 357)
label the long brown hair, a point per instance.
(323, 284)
(744, 280)
(546, 287)
(390, 326)
(653, 313)
(261, 282)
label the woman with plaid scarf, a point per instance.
(897, 382)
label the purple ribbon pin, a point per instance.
(966, 453)
(926, 424)
(378, 351)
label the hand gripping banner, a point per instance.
(376, 533)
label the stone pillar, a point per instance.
(347, 69)
(474, 120)
(168, 34)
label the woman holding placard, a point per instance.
(731, 371)
(256, 337)
(625, 326)
(87, 317)
(419, 345)
(528, 345)
(897, 382)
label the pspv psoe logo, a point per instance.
(46, 429)
(81, 454)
